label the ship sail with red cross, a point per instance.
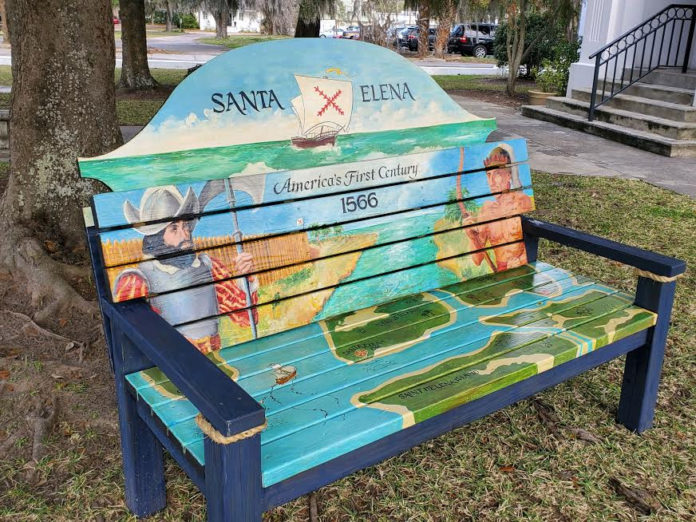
(323, 107)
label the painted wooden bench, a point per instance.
(312, 261)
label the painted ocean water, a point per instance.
(213, 163)
(404, 252)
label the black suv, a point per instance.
(475, 39)
(412, 38)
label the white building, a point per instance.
(640, 88)
(244, 21)
(603, 21)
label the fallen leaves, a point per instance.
(548, 416)
(585, 435)
(640, 499)
(4, 374)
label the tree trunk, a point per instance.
(63, 107)
(5, 28)
(222, 20)
(423, 26)
(517, 29)
(307, 29)
(135, 72)
(168, 15)
(444, 28)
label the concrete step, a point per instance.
(639, 139)
(672, 78)
(668, 128)
(629, 102)
(656, 92)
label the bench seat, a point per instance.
(331, 387)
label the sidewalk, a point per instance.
(560, 150)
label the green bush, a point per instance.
(549, 34)
(554, 74)
(187, 21)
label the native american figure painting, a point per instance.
(503, 179)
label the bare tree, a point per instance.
(517, 46)
(135, 71)
(380, 15)
(63, 106)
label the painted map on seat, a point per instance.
(332, 387)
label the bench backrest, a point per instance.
(281, 248)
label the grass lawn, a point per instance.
(240, 40)
(516, 464)
(5, 75)
(463, 82)
(473, 59)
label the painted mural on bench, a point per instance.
(249, 111)
(334, 386)
(227, 275)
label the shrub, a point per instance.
(549, 35)
(187, 21)
(555, 72)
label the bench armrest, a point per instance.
(635, 257)
(220, 400)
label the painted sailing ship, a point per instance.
(323, 107)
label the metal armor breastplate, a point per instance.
(185, 305)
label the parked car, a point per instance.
(393, 35)
(336, 32)
(352, 32)
(402, 36)
(475, 39)
(413, 36)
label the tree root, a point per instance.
(42, 422)
(30, 328)
(46, 279)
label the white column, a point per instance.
(603, 20)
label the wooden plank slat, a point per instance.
(453, 319)
(324, 180)
(124, 246)
(313, 306)
(517, 279)
(277, 467)
(171, 409)
(293, 249)
(453, 350)
(240, 361)
(288, 456)
(332, 272)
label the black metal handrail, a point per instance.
(636, 44)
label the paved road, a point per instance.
(557, 149)
(185, 50)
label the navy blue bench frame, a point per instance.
(138, 338)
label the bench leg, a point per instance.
(233, 480)
(143, 465)
(644, 365)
